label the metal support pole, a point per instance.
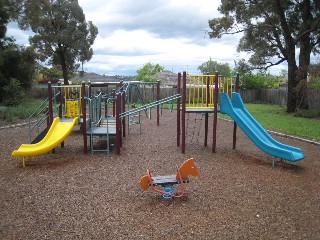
(206, 126)
(114, 103)
(215, 113)
(274, 161)
(118, 123)
(60, 99)
(84, 117)
(184, 93)
(207, 90)
(50, 106)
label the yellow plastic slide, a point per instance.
(55, 136)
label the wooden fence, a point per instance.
(269, 96)
(278, 97)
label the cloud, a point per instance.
(131, 33)
(21, 36)
(169, 32)
(166, 19)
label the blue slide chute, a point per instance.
(251, 127)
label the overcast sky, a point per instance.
(169, 32)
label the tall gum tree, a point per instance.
(274, 32)
(62, 36)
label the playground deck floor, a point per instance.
(238, 194)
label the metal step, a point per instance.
(40, 136)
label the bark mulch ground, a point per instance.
(237, 195)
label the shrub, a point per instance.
(13, 93)
(314, 83)
(259, 80)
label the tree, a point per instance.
(147, 73)
(4, 19)
(50, 73)
(273, 32)
(62, 35)
(17, 63)
(17, 66)
(210, 67)
(242, 67)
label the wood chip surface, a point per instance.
(237, 195)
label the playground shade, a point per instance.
(251, 127)
(55, 136)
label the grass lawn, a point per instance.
(275, 118)
(22, 111)
(271, 117)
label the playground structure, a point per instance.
(100, 107)
(200, 96)
(167, 182)
(205, 94)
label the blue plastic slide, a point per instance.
(258, 135)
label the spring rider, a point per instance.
(167, 182)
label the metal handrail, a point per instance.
(41, 114)
(149, 105)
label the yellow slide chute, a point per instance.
(55, 136)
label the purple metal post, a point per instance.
(50, 119)
(114, 103)
(50, 104)
(178, 110)
(215, 113)
(60, 100)
(184, 97)
(206, 119)
(118, 123)
(84, 117)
